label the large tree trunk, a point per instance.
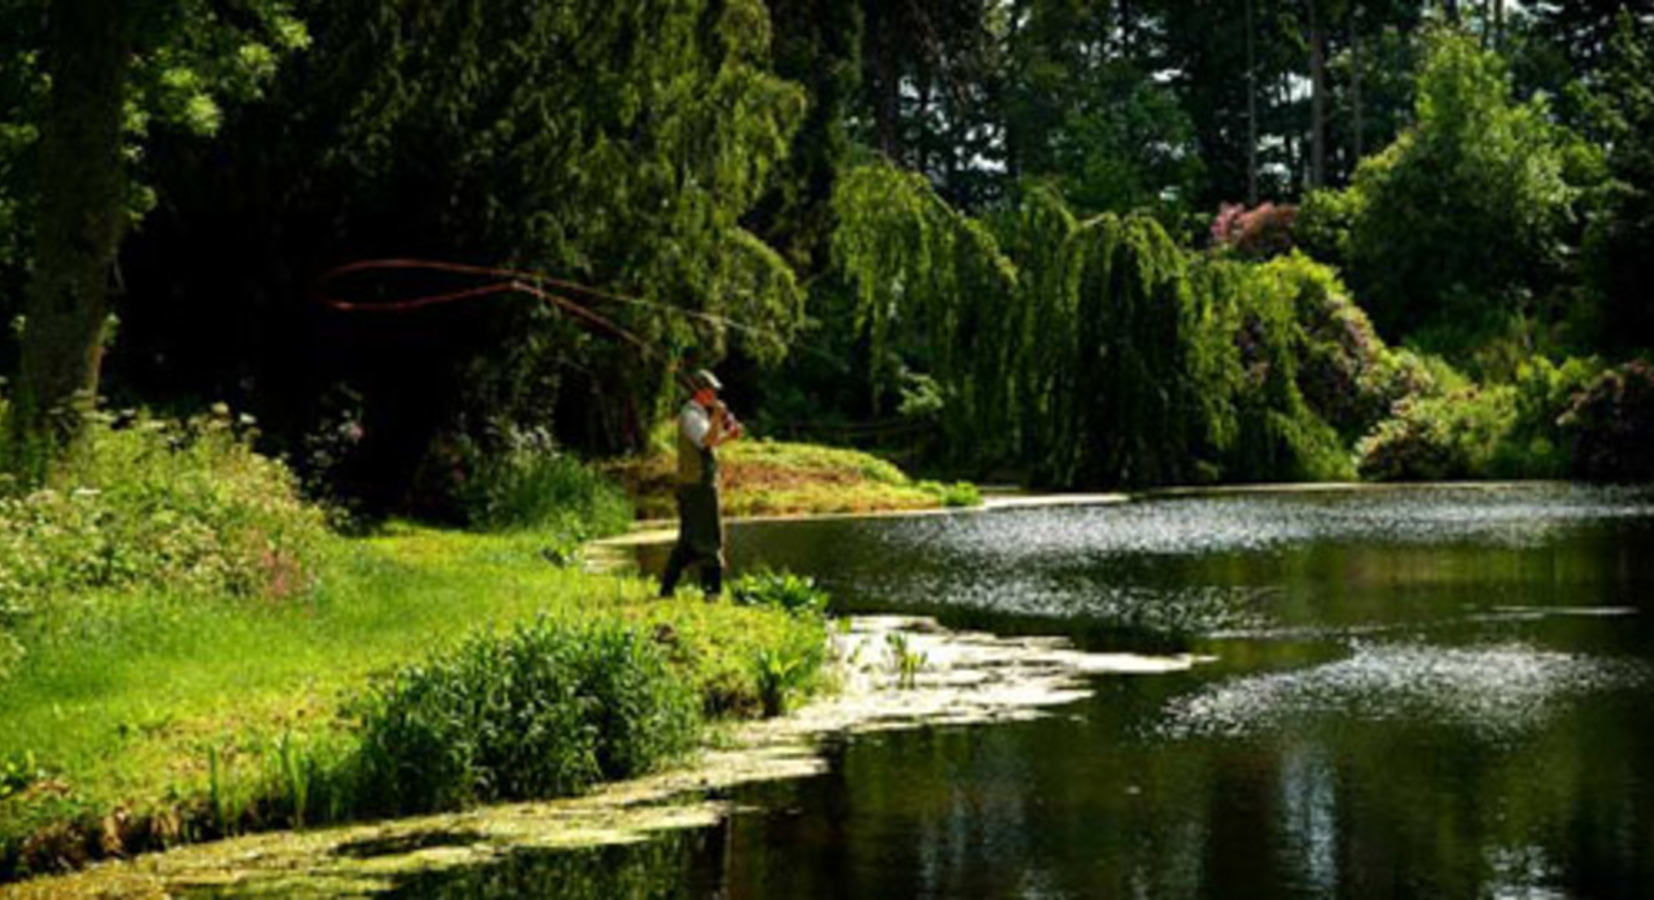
(1251, 109)
(82, 209)
(886, 77)
(1318, 97)
(1357, 125)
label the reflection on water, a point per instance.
(1493, 690)
(1420, 693)
(675, 865)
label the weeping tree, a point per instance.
(933, 293)
(1145, 354)
(1099, 353)
(1034, 234)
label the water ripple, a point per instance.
(1493, 690)
(1516, 516)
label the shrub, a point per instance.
(546, 710)
(1345, 371)
(1453, 436)
(797, 594)
(516, 479)
(172, 505)
(1609, 426)
(1462, 430)
(957, 494)
(537, 489)
(1322, 229)
(1280, 436)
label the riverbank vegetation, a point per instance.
(165, 683)
(768, 478)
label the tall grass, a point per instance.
(547, 710)
(125, 701)
(546, 491)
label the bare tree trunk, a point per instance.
(1013, 141)
(1125, 28)
(887, 82)
(1358, 136)
(1498, 25)
(1251, 109)
(82, 210)
(922, 141)
(1450, 11)
(1318, 97)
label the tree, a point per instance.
(1460, 220)
(625, 146)
(83, 189)
(817, 45)
(185, 52)
(1621, 241)
(1083, 110)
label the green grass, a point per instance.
(199, 716)
(762, 477)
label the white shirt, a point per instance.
(695, 423)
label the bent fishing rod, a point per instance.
(543, 287)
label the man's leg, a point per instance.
(712, 576)
(674, 569)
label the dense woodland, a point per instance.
(1075, 244)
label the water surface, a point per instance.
(1419, 692)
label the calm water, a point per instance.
(1419, 693)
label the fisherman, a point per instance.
(703, 424)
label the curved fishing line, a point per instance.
(543, 281)
(536, 284)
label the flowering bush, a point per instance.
(184, 506)
(1258, 234)
(1610, 425)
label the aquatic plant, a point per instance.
(781, 676)
(905, 661)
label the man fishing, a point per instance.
(703, 424)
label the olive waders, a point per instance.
(700, 530)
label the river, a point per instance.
(1430, 692)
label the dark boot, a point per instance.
(712, 579)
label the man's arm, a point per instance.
(724, 428)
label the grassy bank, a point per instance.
(143, 719)
(762, 477)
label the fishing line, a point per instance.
(536, 285)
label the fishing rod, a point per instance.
(512, 281)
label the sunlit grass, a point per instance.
(148, 701)
(762, 477)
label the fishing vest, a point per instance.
(696, 464)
